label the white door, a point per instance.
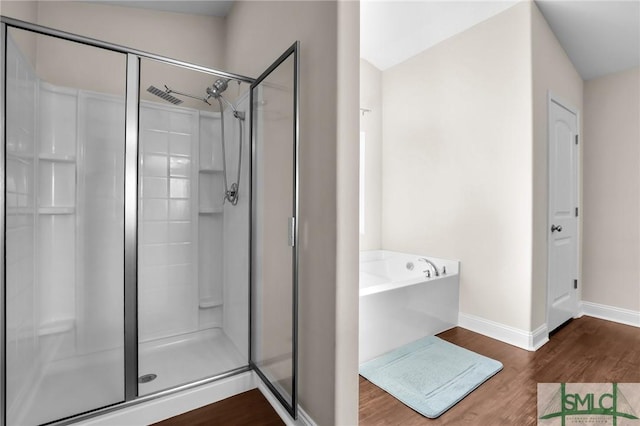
(562, 299)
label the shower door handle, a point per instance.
(292, 231)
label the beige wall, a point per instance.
(192, 38)
(552, 71)
(258, 32)
(346, 396)
(25, 11)
(20, 9)
(611, 256)
(371, 125)
(458, 162)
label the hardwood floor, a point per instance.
(248, 408)
(585, 350)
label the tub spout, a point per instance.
(431, 264)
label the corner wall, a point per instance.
(346, 396)
(458, 162)
(257, 33)
(371, 125)
(611, 257)
(552, 71)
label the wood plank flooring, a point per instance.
(585, 350)
(247, 408)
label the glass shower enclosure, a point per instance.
(127, 273)
(64, 228)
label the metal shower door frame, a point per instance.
(294, 50)
(3, 215)
(131, 186)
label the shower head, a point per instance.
(215, 91)
(164, 95)
(219, 86)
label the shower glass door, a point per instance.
(274, 257)
(64, 201)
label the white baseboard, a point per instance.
(535, 339)
(611, 313)
(304, 419)
(539, 337)
(528, 340)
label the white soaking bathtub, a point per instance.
(400, 304)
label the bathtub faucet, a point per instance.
(431, 264)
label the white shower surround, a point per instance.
(59, 322)
(399, 304)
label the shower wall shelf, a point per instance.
(57, 210)
(57, 162)
(58, 158)
(211, 221)
(23, 157)
(19, 210)
(56, 326)
(214, 210)
(209, 302)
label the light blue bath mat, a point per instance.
(430, 375)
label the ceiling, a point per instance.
(393, 31)
(599, 36)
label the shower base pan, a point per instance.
(82, 381)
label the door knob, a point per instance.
(555, 228)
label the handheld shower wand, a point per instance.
(215, 91)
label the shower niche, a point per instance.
(150, 234)
(210, 219)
